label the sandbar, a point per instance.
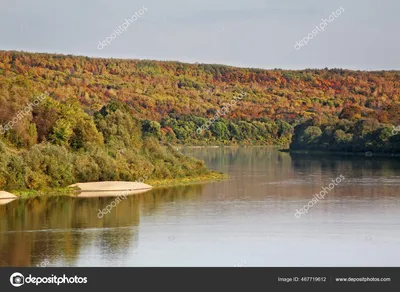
(110, 188)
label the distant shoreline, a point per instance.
(228, 146)
(340, 153)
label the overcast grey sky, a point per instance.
(245, 33)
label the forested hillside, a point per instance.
(104, 119)
(155, 89)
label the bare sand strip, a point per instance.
(110, 188)
(6, 198)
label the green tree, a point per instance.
(220, 130)
(311, 135)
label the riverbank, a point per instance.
(179, 147)
(73, 190)
(214, 176)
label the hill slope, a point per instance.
(70, 118)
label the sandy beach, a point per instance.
(6, 197)
(110, 188)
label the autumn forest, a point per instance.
(112, 119)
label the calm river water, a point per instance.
(248, 220)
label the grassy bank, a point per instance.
(211, 176)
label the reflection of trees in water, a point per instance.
(160, 196)
(59, 227)
(17, 243)
(371, 179)
(350, 165)
(245, 160)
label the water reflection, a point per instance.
(248, 218)
(50, 228)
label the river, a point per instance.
(248, 220)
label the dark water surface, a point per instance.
(248, 220)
